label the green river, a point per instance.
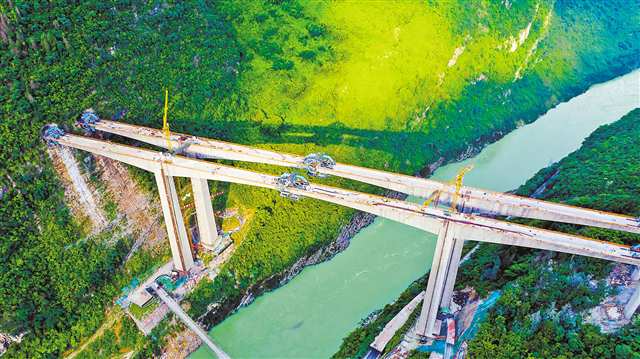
(309, 316)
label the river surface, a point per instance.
(309, 316)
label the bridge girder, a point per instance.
(476, 228)
(452, 228)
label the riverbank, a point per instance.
(563, 305)
(569, 122)
(614, 146)
(489, 109)
(349, 79)
(358, 222)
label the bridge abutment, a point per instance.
(204, 213)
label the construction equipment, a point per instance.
(457, 181)
(314, 160)
(87, 121)
(291, 180)
(165, 124)
(51, 133)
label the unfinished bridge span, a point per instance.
(452, 227)
(472, 200)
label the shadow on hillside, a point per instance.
(400, 144)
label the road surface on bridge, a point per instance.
(468, 226)
(473, 200)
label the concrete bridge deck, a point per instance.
(472, 200)
(426, 218)
(453, 228)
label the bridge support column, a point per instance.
(176, 231)
(634, 301)
(635, 275)
(452, 273)
(440, 268)
(204, 213)
(633, 304)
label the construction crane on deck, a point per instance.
(457, 181)
(165, 124)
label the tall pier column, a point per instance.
(437, 280)
(452, 273)
(204, 213)
(634, 301)
(635, 275)
(176, 231)
(633, 304)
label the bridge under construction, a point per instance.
(469, 219)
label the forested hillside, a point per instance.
(603, 174)
(395, 86)
(540, 312)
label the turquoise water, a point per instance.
(326, 299)
(309, 316)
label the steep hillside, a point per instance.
(396, 87)
(375, 100)
(540, 312)
(603, 174)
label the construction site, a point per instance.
(452, 211)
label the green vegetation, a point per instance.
(368, 83)
(379, 103)
(141, 312)
(356, 344)
(531, 319)
(538, 314)
(124, 337)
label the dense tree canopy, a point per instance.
(539, 312)
(371, 84)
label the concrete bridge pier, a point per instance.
(634, 301)
(443, 272)
(176, 230)
(452, 273)
(633, 304)
(204, 213)
(635, 275)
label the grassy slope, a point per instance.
(351, 80)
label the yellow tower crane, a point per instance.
(457, 182)
(165, 124)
